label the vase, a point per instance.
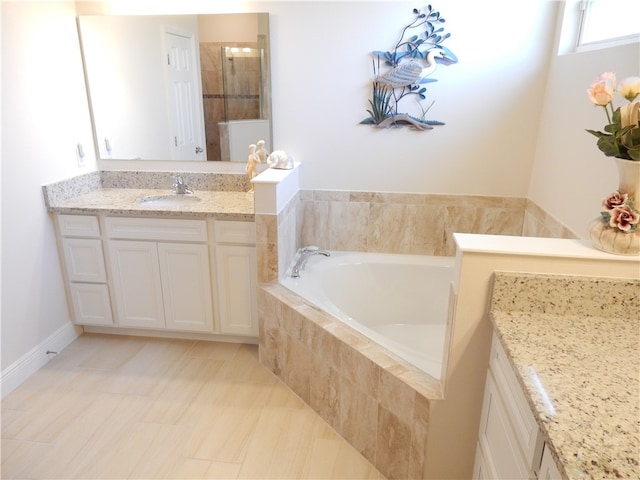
(611, 239)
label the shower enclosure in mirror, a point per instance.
(177, 87)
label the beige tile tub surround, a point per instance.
(316, 366)
(390, 223)
(376, 401)
(420, 224)
(538, 223)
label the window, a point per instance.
(594, 24)
(609, 20)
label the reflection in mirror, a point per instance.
(178, 87)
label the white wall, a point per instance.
(489, 100)
(571, 176)
(44, 115)
(321, 76)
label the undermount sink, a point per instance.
(170, 200)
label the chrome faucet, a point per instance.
(181, 188)
(303, 256)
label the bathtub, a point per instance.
(398, 301)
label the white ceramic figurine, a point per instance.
(262, 152)
(252, 163)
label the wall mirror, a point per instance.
(177, 87)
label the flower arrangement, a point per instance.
(621, 136)
(619, 212)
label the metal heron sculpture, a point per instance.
(412, 72)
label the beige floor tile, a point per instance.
(131, 407)
(223, 471)
(18, 457)
(55, 461)
(225, 436)
(187, 380)
(281, 444)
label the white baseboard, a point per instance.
(37, 357)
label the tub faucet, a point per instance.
(180, 187)
(304, 255)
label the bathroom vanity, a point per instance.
(167, 266)
(561, 395)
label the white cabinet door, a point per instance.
(497, 438)
(235, 269)
(136, 283)
(480, 468)
(186, 286)
(91, 304)
(84, 260)
(548, 468)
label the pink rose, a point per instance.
(601, 91)
(624, 218)
(616, 199)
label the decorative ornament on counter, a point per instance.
(261, 151)
(411, 61)
(616, 229)
(281, 160)
(252, 163)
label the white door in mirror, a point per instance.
(184, 92)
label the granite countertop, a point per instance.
(123, 201)
(574, 343)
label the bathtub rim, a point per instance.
(318, 264)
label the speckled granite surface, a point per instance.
(223, 196)
(123, 201)
(57, 192)
(575, 344)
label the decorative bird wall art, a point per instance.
(407, 68)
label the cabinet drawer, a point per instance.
(84, 260)
(79, 226)
(183, 230)
(524, 424)
(91, 304)
(235, 232)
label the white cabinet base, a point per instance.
(235, 269)
(91, 304)
(136, 283)
(186, 286)
(509, 441)
(548, 468)
(169, 277)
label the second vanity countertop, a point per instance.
(223, 205)
(578, 361)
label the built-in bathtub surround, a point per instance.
(379, 403)
(538, 223)
(573, 342)
(419, 224)
(276, 200)
(276, 241)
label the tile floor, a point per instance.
(115, 407)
